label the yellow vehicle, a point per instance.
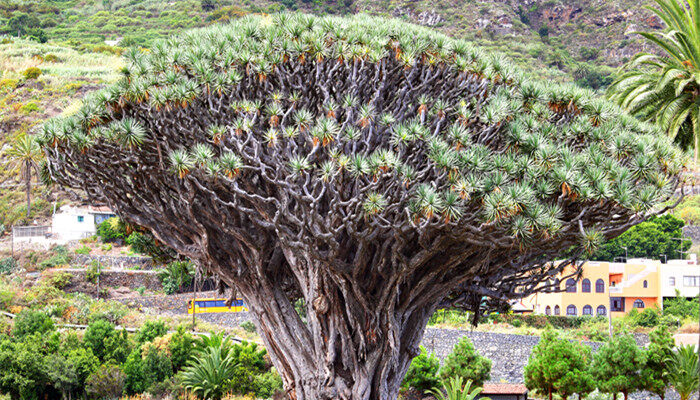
(215, 306)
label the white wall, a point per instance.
(66, 225)
(678, 269)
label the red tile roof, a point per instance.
(504, 388)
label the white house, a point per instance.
(681, 275)
(74, 223)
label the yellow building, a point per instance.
(602, 288)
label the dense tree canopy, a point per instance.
(373, 168)
(654, 238)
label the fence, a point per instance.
(30, 231)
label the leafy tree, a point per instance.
(107, 382)
(106, 342)
(176, 276)
(423, 372)
(145, 367)
(663, 88)
(181, 347)
(647, 240)
(618, 365)
(558, 366)
(684, 371)
(22, 23)
(682, 307)
(30, 321)
(660, 349)
(23, 374)
(25, 154)
(465, 362)
(370, 167)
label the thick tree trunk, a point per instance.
(338, 352)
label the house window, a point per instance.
(638, 304)
(646, 284)
(599, 286)
(600, 310)
(556, 310)
(548, 310)
(570, 286)
(672, 281)
(571, 310)
(587, 310)
(81, 218)
(586, 286)
(616, 304)
(691, 281)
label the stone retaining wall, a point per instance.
(111, 278)
(115, 262)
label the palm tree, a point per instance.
(209, 373)
(25, 153)
(665, 89)
(456, 390)
(684, 371)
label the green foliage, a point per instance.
(689, 210)
(7, 265)
(181, 347)
(107, 382)
(112, 230)
(209, 374)
(59, 257)
(145, 367)
(31, 73)
(30, 321)
(59, 280)
(465, 362)
(618, 365)
(559, 366)
(107, 343)
(23, 373)
(649, 239)
(248, 326)
(682, 307)
(648, 318)
(684, 371)
(423, 372)
(83, 250)
(454, 389)
(176, 276)
(146, 244)
(151, 330)
(93, 271)
(658, 352)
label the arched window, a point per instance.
(556, 310)
(586, 286)
(570, 286)
(571, 310)
(587, 310)
(638, 304)
(601, 310)
(646, 284)
(548, 310)
(599, 286)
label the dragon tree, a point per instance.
(374, 169)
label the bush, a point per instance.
(107, 382)
(83, 250)
(176, 276)
(31, 73)
(32, 321)
(181, 347)
(423, 372)
(52, 58)
(59, 258)
(465, 362)
(106, 342)
(681, 307)
(93, 272)
(7, 265)
(59, 280)
(143, 368)
(267, 385)
(648, 318)
(151, 330)
(144, 243)
(112, 230)
(248, 326)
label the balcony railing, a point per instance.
(615, 290)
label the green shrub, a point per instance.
(176, 276)
(59, 280)
(648, 318)
(681, 307)
(248, 326)
(7, 265)
(29, 107)
(59, 258)
(107, 343)
(32, 73)
(517, 323)
(93, 271)
(144, 243)
(465, 362)
(83, 250)
(141, 290)
(30, 321)
(151, 330)
(423, 372)
(111, 230)
(267, 385)
(181, 347)
(52, 58)
(209, 374)
(143, 368)
(107, 382)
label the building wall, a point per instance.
(68, 225)
(678, 269)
